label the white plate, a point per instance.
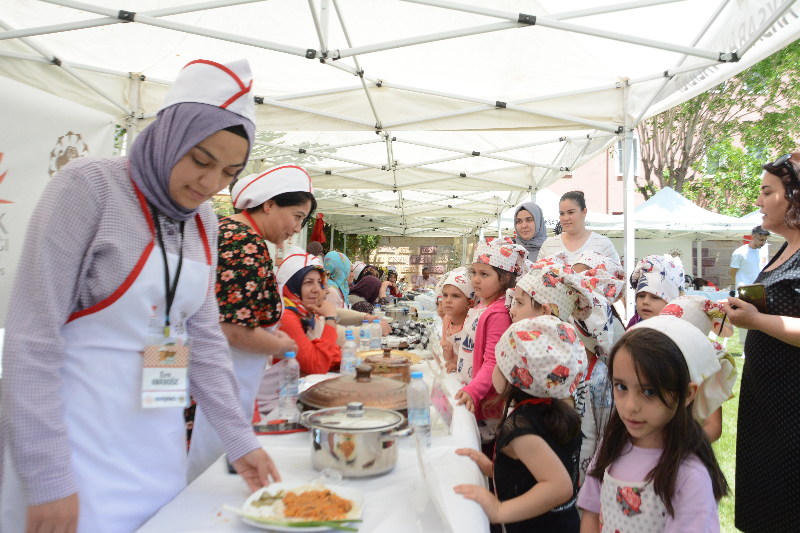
(354, 495)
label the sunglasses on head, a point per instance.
(784, 161)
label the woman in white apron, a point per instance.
(117, 282)
(275, 205)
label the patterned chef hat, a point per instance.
(205, 82)
(559, 287)
(705, 315)
(256, 189)
(459, 278)
(542, 357)
(714, 374)
(502, 253)
(597, 331)
(660, 275)
(604, 275)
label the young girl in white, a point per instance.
(655, 470)
(708, 316)
(535, 466)
(495, 267)
(657, 280)
(458, 297)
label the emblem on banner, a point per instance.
(68, 147)
(2, 177)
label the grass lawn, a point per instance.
(725, 447)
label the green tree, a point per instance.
(358, 246)
(746, 120)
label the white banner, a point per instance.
(39, 134)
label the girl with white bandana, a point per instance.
(535, 469)
(657, 279)
(708, 316)
(458, 297)
(655, 470)
(554, 289)
(496, 264)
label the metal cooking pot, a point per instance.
(397, 313)
(356, 441)
(388, 363)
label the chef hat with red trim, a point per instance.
(710, 365)
(294, 261)
(502, 253)
(458, 278)
(542, 356)
(256, 189)
(228, 86)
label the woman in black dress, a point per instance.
(768, 439)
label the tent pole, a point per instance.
(499, 229)
(628, 202)
(464, 251)
(132, 122)
(699, 270)
(333, 234)
(344, 246)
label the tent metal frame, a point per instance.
(328, 57)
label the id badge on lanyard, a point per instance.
(165, 364)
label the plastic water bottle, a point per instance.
(376, 333)
(287, 397)
(419, 409)
(348, 364)
(364, 336)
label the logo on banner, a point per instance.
(68, 147)
(2, 177)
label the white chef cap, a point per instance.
(256, 189)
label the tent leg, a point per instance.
(481, 237)
(344, 247)
(533, 196)
(628, 201)
(699, 269)
(333, 234)
(464, 251)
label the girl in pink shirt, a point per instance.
(496, 265)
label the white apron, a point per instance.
(465, 348)
(630, 507)
(249, 368)
(127, 461)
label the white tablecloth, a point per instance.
(388, 507)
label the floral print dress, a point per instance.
(246, 288)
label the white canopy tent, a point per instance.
(395, 65)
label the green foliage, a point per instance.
(358, 246)
(751, 118)
(119, 140)
(223, 206)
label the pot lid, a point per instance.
(372, 391)
(355, 418)
(384, 357)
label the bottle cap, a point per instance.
(292, 355)
(348, 335)
(416, 375)
(366, 321)
(376, 321)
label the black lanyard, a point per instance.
(170, 290)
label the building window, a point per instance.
(634, 161)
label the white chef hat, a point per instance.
(228, 86)
(295, 260)
(256, 189)
(358, 268)
(715, 381)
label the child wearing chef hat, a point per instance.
(458, 297)
(539, 363)
(657, 279)
(655, 469)
(495, 267)
(708, 316)
(553, 289)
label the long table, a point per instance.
(395, 502)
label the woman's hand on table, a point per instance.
(480, 459)
(256, 468)
(323, 309)
(59, 516)
(449, 367)
(487, 500)
(744, 316)
(465, 399)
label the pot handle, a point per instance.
(304, 416)
(394, 435)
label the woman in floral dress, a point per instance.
(275, 205)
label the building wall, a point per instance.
(411, 254)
